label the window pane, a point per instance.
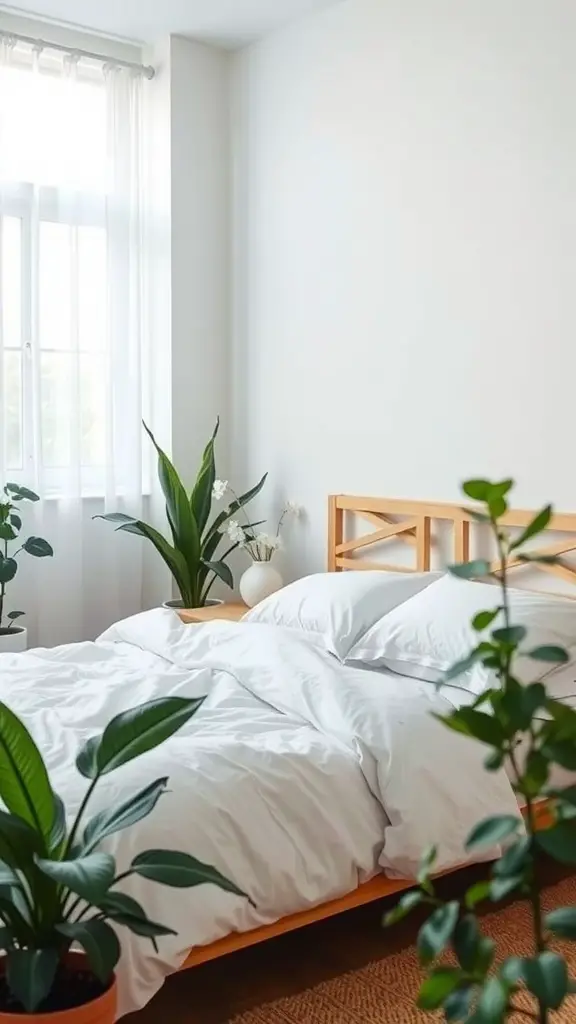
(13, 408)
(53, 130)
(92, 289)
(55, 298)
(11, 283)
(56, 409)
(92, 409)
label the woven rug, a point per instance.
(384, 991)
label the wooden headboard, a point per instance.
(415, 524)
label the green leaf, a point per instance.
(470, 570)
(180, 870)
(438, 986)
(201, 498)
(568, 795)
(426, 863)
(482, 620)
(458, 1004)
(21, 493)
(559, 842)
(18, 840)
(537, 525)
(124, 910)
(477, 893)
(494, 761)
(546, 976)
(116, 517)
(6, 532)
(477, 724)
(100, 943)
(562, 752)
(549, 652)
(15, 615)
(24, 784)
(493, 1001)
(38, 547)
(89, 877)
(502, 887)
(58, 834)
(465, 941)
(133, 732)
(514, 860)
(16, 520)
(512, 970)
(512, 635)
(184, 527)
(460, 667)
(436, 932)
(123, 815)
(30, 974)
(173, 558)
(403, 907)
(485, 955)
(478, 490)
(536, 772)
(222, 571)
(493, 830)
(562, 922)
(497, 505)
(8, 569)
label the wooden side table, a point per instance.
(232, 611)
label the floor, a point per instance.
(215, 992)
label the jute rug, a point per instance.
(384, 991)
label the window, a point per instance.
(69, 269)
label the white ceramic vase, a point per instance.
(14, 640)
(258, 582)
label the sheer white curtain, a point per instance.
(72, 358)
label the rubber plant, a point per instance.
(474, 985)
(192, 556)
(56, 886)
(10, 527)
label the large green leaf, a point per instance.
(436, 932)
(562, 922)
(8, 569)
(184, 527)
(180, 870)
(58, 834)
(38, 547)
(465, 941)
(124, 910)
(492, 830)
(173, 558)
(547, 978)
(14, 911)
(470, 570)
(435, 989)
(24, 784)
(122, 815)
(477, 724)
(30, 974)
(559, 842)
(89, 877)
(537, 525)
(221, 570)
(244, 499)
(21, 493)
(18, 840)
(492, 1002)
(201, 497)
(550, 652)
(100, 943)
(407, 903)
(133, 732)
(515, 859)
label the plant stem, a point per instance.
(3, 587)
(81, 810)
(535, 901)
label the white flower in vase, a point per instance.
(219, 489)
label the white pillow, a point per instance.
(433, 630)
(336, 608)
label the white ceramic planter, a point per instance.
(258, 582)
(14, 640)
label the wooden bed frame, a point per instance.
(415, 524)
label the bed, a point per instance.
(284, 781)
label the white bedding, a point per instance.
(298, 778)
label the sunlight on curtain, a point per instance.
(71, 331)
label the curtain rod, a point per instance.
(145, 69)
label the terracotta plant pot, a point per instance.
(101, 1010)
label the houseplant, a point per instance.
(12, 637)
(262, 578)
(192, 557)
(474, 987)
(57, 888)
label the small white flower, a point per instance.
(266, 541)
(219, 489)
(235, 532)
(294, 509)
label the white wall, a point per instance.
(406, 252)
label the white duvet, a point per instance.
(298, 778)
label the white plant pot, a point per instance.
(258, 582)
(13, 640)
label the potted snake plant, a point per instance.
(58, 888)
(14, 638)
(192, 555)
